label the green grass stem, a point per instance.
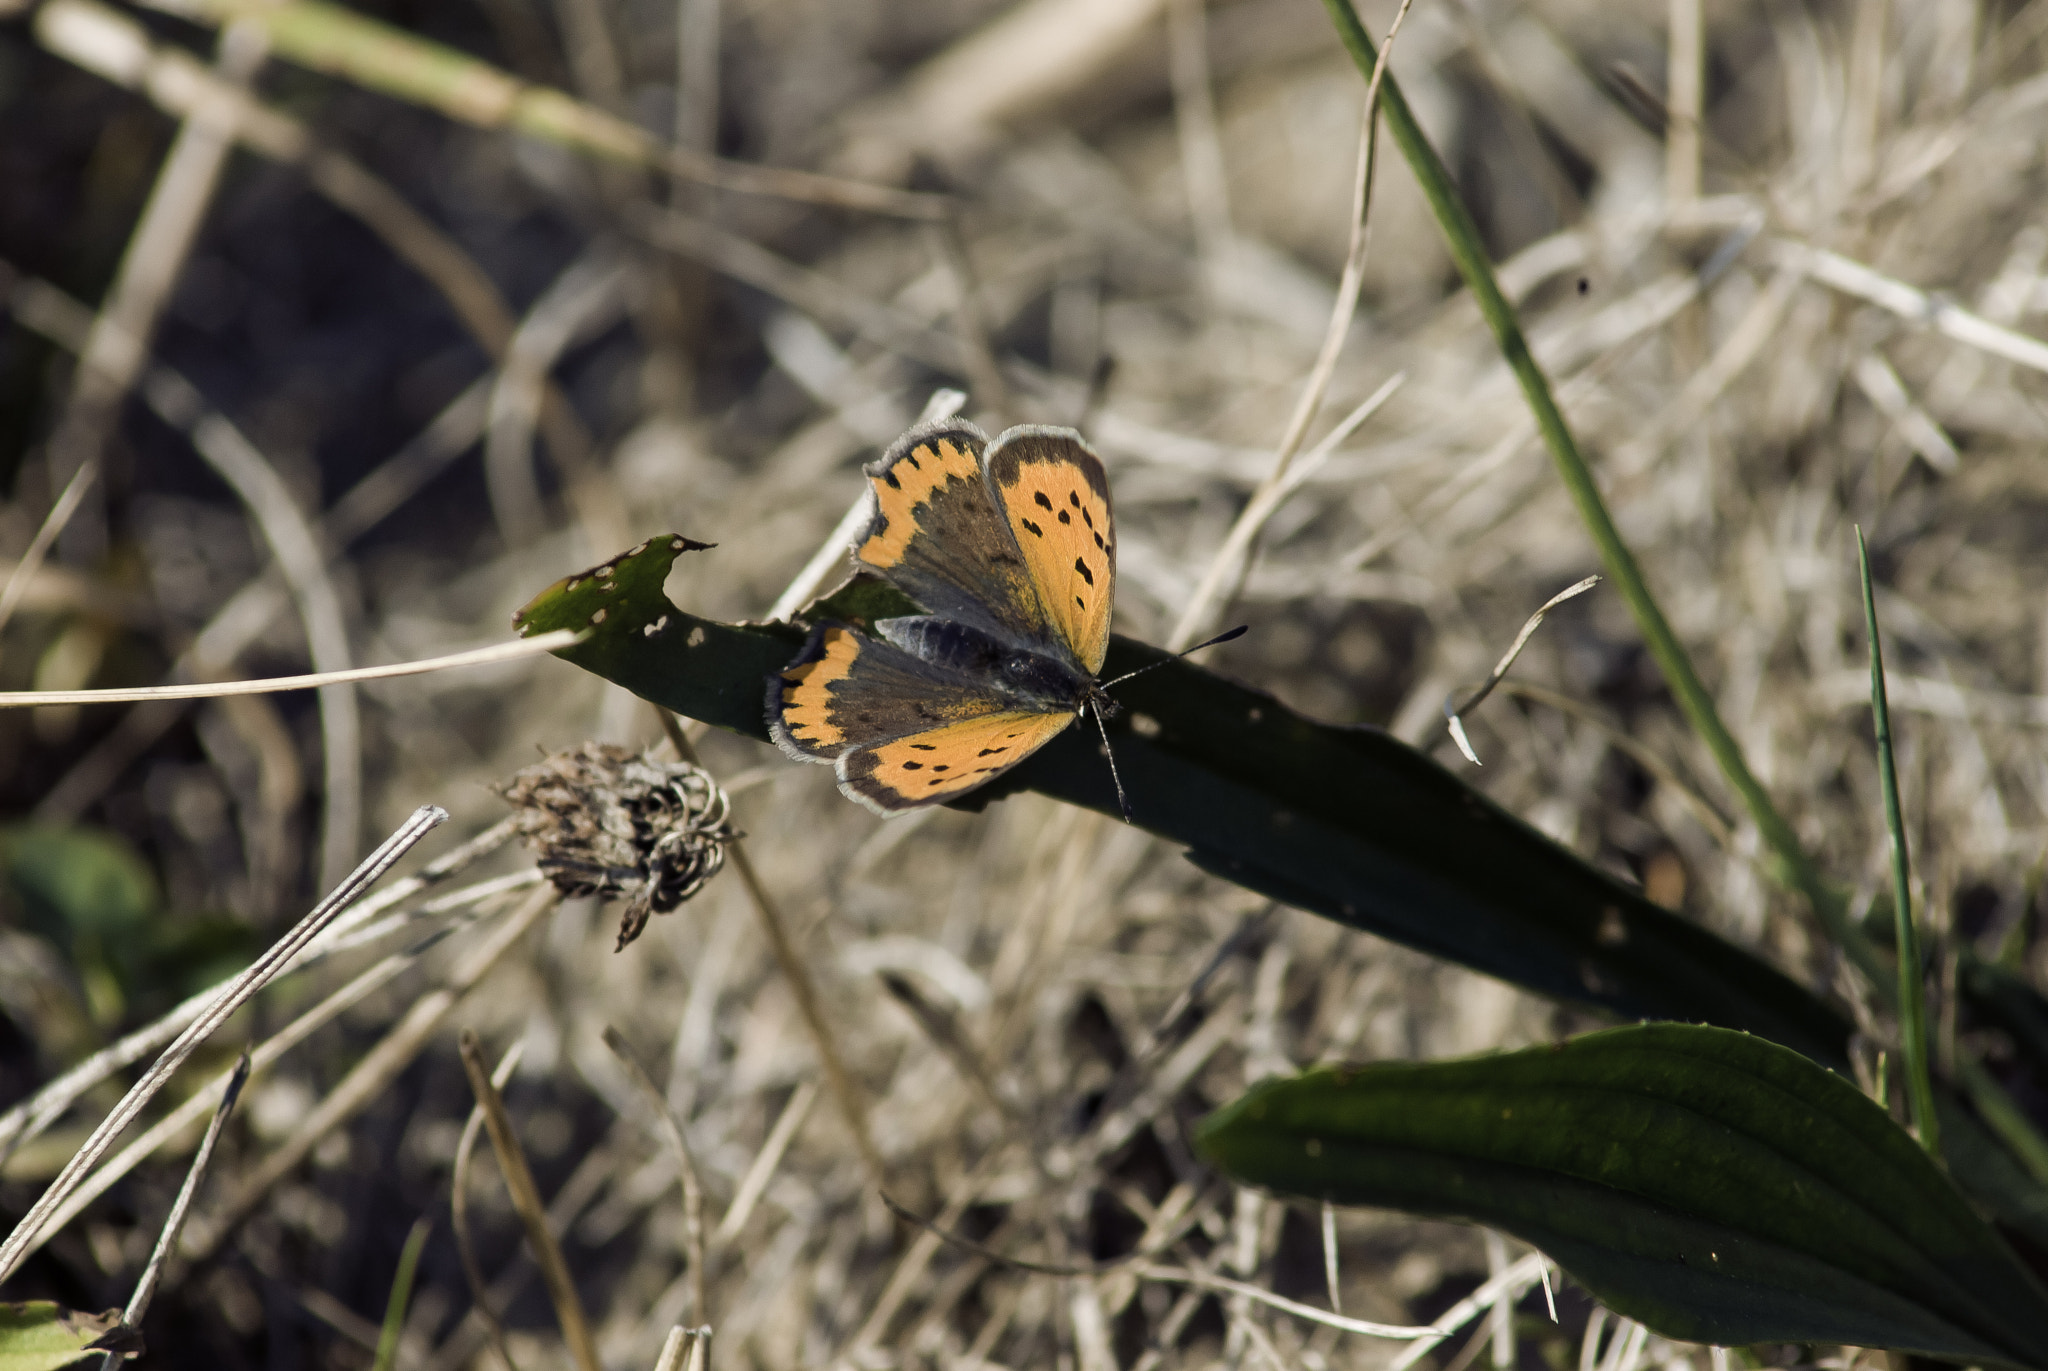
(1912, 990)
(401, 1296)
(1790, 862)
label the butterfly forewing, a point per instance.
(937, 537)
(1051, 491)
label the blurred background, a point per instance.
(369, 367)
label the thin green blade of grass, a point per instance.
(1912, 992)
(1792, 865)
(401, 1295)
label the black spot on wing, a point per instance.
(1066, 518)
(1082, 567)
(1074, 499)
(1036, 531)
(913, 766)
(1043, 503)
(890, 477)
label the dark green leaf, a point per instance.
(2010, 1003)
(1347, 822)
(73, 881)
(1710, 1184)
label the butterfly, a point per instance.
(1010, 548)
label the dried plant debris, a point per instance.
(610, 821)
(1816, 299)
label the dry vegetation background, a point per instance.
(1149, 183)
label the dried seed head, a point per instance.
(608, 821)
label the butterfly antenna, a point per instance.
(1223, 637)
(1122, 803)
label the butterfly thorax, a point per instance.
(1040, 681)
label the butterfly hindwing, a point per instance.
(1051, 492)
(903, 732)
(925, 768)
(937, 537)
(847, 690)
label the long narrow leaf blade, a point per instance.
(1347, 822)
(1344, 822)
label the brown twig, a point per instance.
(671, 1130)
(801, 985)
(458, 1207)
(519, 1184)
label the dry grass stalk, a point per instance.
(512, 1165)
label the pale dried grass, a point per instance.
(1740, 421)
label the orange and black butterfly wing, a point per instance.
(1050, 491)
(929, 767)
(901, 732)
(938, 538)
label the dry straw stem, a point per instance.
(845, 1093)
(1690, 691)
(31, 1116)
(174, 1222)
(536, 646)
(28, 1233)
(686, 1349)
(372, 1076)
(1035, 54)
(1456, 714)
(802, 288)
(588, 296)
(1711, 819)
(482, 1305)
(337, 41)
(1232, 563)
(179, 1122)
(532, 1212)
(112, 46)
(762, 1170)
(301, 559)
(671, 1130)
(118, 345)
(1500, 1290)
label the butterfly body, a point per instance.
(1010, 548)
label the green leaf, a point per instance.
(1347, 822)
(77, 880)
(1709, 1184)
(41, 1336)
